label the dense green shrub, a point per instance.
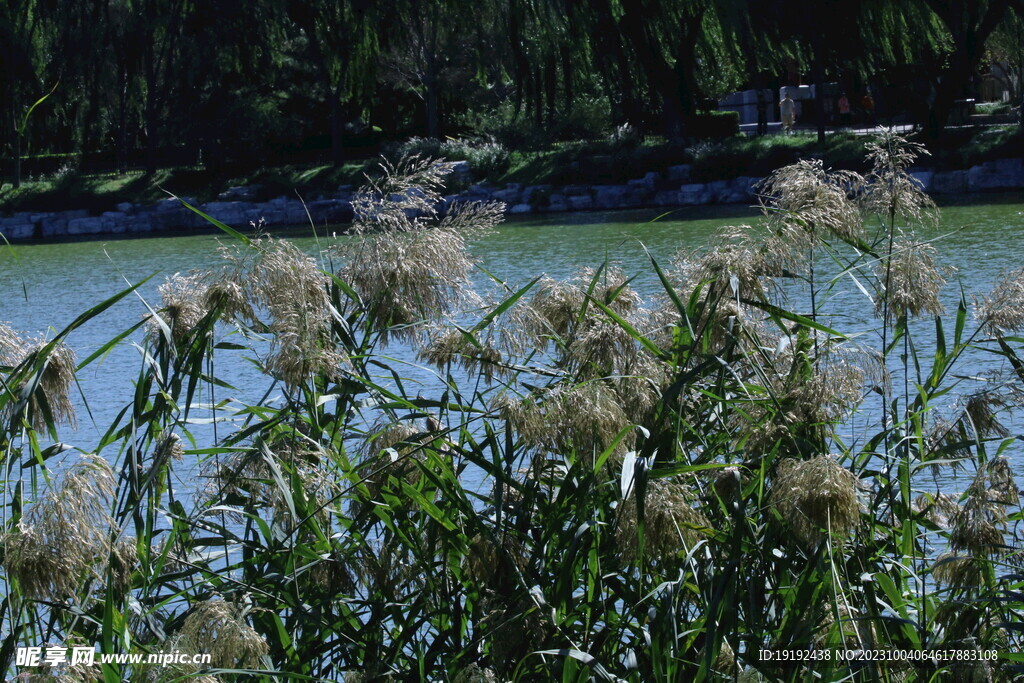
(589, 118)
(713, 125)
(487, 158)
(993, 108)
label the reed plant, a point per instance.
(714, 483)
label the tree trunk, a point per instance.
(433, 101)
(337, 149)
(12, 116)
(969, 32)
(520, 65)
(151, 119)
(550, 87)
(122, 124)
(568, 93)
(818, 76)
(16, 171)
(538, 98)
(683, 71)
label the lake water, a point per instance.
(45, 286)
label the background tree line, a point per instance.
(163, 82)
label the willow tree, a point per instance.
(343, 43)
(650, 53)
(833, 39)
(20, 29)
(1006, 45)
(969, 23)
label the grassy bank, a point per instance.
(595, 486)
(590, 162)
(102, 192)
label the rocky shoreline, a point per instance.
(673, 189)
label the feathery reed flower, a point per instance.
(227, 295)
(408, 278)
(332, 572)
(396, 449)
(829, 394)
(448, 346)
(583, 418)
(671, 524)
(639, 384)
(981, 417)
(1003, 309)
(890, 190)
(558, 306)
(218, 627)
(1002, 485)
(815, 496)
(728, 483)
(938, 508)
(960, 571)
(600, 348)
(735, 268)
(977, 527)
(124, 559)
(475, 674)
(910, 281)
(407, 192)
(184, 304)
(804, 201)
(524, 415)
(250, 475)
(290, 286)
(169, 448)
(805, 395)
(65, 533)
(725, 663)
(11, 346)
(739, 268)
(495, 565)
(407, 266)
(55, 384)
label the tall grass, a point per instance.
(600, 487)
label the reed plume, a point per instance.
(911, 282)
(407, 264)
(817, 498)
(1002, 310)
(65, 534)
(890, 190)
(289, 285)
(219, 627)
(52, 386)
(183, 305)
(804, 203)
(475, 674)
(672, 525)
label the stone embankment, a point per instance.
(674, 189)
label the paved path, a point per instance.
(775, 128)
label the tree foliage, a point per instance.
(168, 82)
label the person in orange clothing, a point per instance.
(844, 110)
(867, 103)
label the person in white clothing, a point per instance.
(787, 108)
